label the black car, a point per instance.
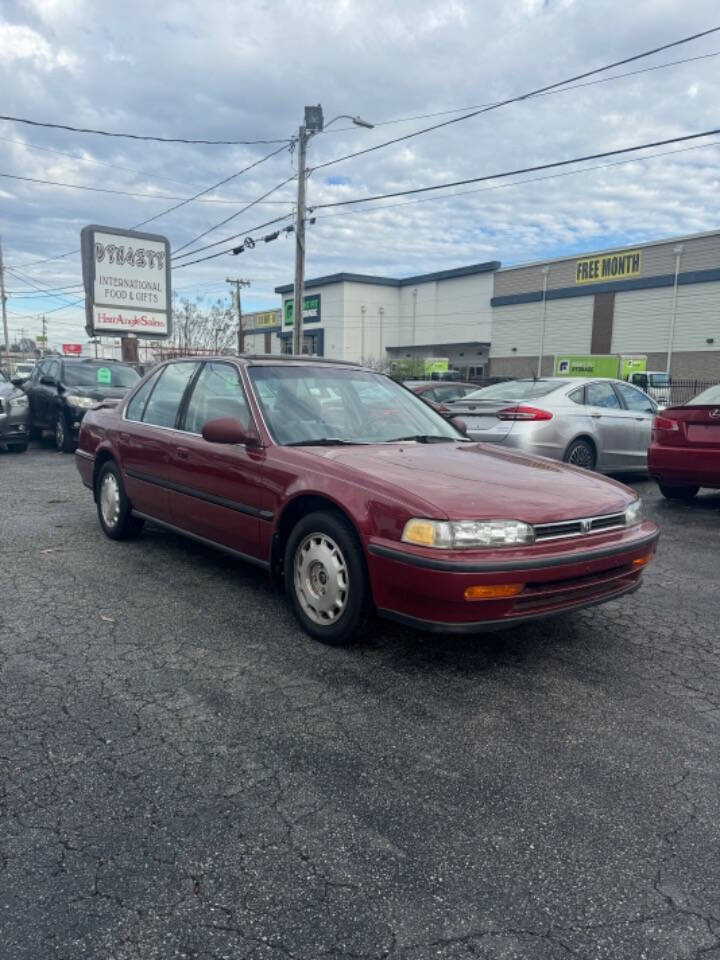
(61, 390)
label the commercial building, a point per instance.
(262, 329)
(350, 316)
(661, 299)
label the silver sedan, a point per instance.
(599, 424)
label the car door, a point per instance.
(217, 490)
(643, 409)
(46, 396)
(32, 389)
(614, 426)
(147, 435)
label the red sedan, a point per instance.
(358, 496)
(684, 454)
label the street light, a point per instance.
(313, 124)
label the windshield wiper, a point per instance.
(425, 438)
(322, 442)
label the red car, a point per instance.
(684, 453)
(358, 496)
(439, 392)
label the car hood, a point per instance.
(476, 480)
(98, 393)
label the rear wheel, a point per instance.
(63, 438)
(686, 492)
(113, 506)
(325, 578)
(581, 453)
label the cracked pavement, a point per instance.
(184, 774)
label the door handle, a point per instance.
(640, 419)
(183, 453)
(596, 416)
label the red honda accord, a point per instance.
(684, 453)
(358, 496)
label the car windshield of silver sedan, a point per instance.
(306, 405)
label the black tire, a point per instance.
(64, 442)
(581, 453)
(117, 523)
(686, 492)
(17, 447)
(350, 607)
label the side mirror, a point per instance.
(229, 430)
(459, 425)
(48, 381)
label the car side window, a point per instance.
(54, 370)
(578, 396)
(162, 407)
(635, 399)
(136, 406)
(601, 395)
(217, 393)
(40, 370)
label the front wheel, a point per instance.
(686, 492)
(325, 578)
(581, 453)
(113, 506)
(63, 438)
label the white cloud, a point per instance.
(21, 43)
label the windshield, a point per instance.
(311, 404)
(515, 390)
(99, 375)
(706, 398)
(658, 380)
(24, 368)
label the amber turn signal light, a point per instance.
(494, 591)
(642, 561)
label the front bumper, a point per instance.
(14, 427)
(427, 587)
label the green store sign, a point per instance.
(311, 310)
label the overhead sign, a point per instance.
(612, 266)
(311, 310)
(40, 338)
(269, 319)
(127, 282)
(72, 349)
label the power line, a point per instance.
(512, 173)
(123, 193)
(517, 98)
(220, 183)
(549, 93)
(138, 136)
(233, 236)
(503, 186)
(48, 293)
(249, 243)
(234, 215)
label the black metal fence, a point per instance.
(680, 391)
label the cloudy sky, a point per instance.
(244, 71)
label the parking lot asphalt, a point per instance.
(185, 774)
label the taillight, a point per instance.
(662, 426)
(521, 412)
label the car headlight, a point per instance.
(18, 400)
(634, 513)
(84, 402)
(459, 534)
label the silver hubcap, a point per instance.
(59, 433)
(110, 500)
(321, 578)
(581, 456)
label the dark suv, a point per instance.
(61, 390)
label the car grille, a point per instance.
(578, 528)
(553, 595)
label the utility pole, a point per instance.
(240, 332)
(299, 293)
(3, 299)
(43, 349)
(314, 123)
